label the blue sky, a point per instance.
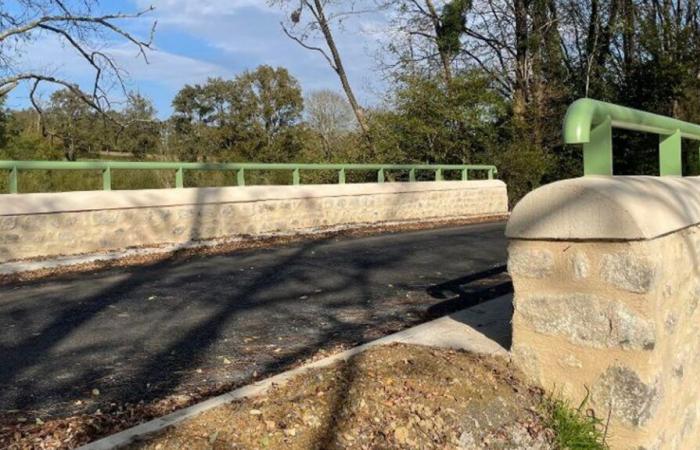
(196, 39)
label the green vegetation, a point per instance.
(574, 429)
(468, 82)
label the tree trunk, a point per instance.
(444, 58)
(521, 59)
(628, 38)
(340, 69)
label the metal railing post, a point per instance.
(412, 175)
(296, 178)
(590, 122)
(341, 176)
(179, 178)
(380, 176)
(107, 179)
(14, 175)
(465, 174)
(597, 153)
(670, 160)
(438, 175)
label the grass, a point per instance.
(574, 428)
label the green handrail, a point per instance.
(240, 169)
(590, 122)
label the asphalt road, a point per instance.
(81, 342)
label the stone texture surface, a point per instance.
(580, 265)
(621, 391)
(589, 321)
(49, 225)
(628, 271)
(617, 323)
(530, 263)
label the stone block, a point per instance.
(621, 391)
(580, 265)
(530, 263)
(629, 272)
(587, 320)
(8, 223)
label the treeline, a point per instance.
(469, 82)
(262, 116)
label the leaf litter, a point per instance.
(396, 396)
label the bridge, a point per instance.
(205, 289)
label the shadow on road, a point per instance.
(203, 325)
(468, 291)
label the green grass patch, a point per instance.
(574, 428)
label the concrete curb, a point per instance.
(458, 331)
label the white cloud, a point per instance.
(170, 68)
(190, 12)
(197, 39)
(50, 56)
(247, 33)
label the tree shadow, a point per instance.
(155, 325)
(216, 302)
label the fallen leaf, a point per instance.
(401, 435)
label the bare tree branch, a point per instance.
(308, 47)
(79, 29)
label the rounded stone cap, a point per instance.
(607, 208)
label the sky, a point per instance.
(197, 39)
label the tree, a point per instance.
(141, 132)
(4, 125)
(75, 23)
(201, 120)
(320, 21)
(268, 97)
(240, 117)
(72, 121)
(328, 114)
(429, 123)
(428, 34)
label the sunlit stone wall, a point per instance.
(606, 272)
(49, 225)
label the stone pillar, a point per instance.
(606, 272)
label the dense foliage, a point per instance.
(473, 82)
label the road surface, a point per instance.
(76, 343)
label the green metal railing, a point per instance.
(239, 169)
(590, 122)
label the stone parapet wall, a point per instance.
(611, 319)
(51, 225)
